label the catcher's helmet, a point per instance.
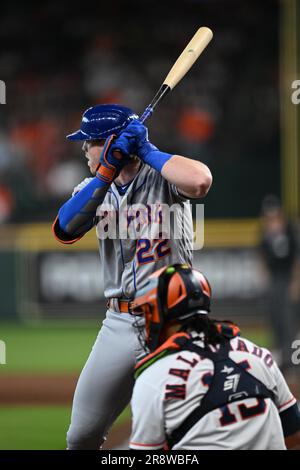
(103, 120)
(172, 294)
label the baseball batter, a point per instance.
(203, 387)
(133, 183)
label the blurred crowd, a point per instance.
(57, 60)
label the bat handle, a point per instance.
(146, 114)
(164, 89)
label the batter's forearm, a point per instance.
(192, 178)
(76, 216)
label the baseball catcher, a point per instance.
(203, 386)
(128, 170)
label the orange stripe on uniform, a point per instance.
(65, 242)
(286, 403)
(147, 445)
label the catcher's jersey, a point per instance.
(128, 262)
(171, 388)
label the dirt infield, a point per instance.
(118, 437)
(54, 389)
(37, 389)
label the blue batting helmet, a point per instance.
(100, 121)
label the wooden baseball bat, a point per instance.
(182, 65)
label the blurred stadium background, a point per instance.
(233, 111)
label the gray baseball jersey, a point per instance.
(127, 262)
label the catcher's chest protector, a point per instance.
(230, 382)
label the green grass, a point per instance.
(37, 427)
(64, 349)
(260, 336)
(46, 349)
(33, 428)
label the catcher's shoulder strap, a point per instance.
(178, 342)
(175, 343)
(230, 382)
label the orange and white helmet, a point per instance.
(172, 294)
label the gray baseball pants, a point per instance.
(106, 382)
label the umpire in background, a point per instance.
(280, 258)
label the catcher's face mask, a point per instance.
(172, 295)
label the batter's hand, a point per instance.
(137, 134)
(111, 160)
(126, 143)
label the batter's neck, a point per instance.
(128, 173)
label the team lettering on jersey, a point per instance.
(179, 391)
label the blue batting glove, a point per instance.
(138, 133)
(112, 160)
(126, 143)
